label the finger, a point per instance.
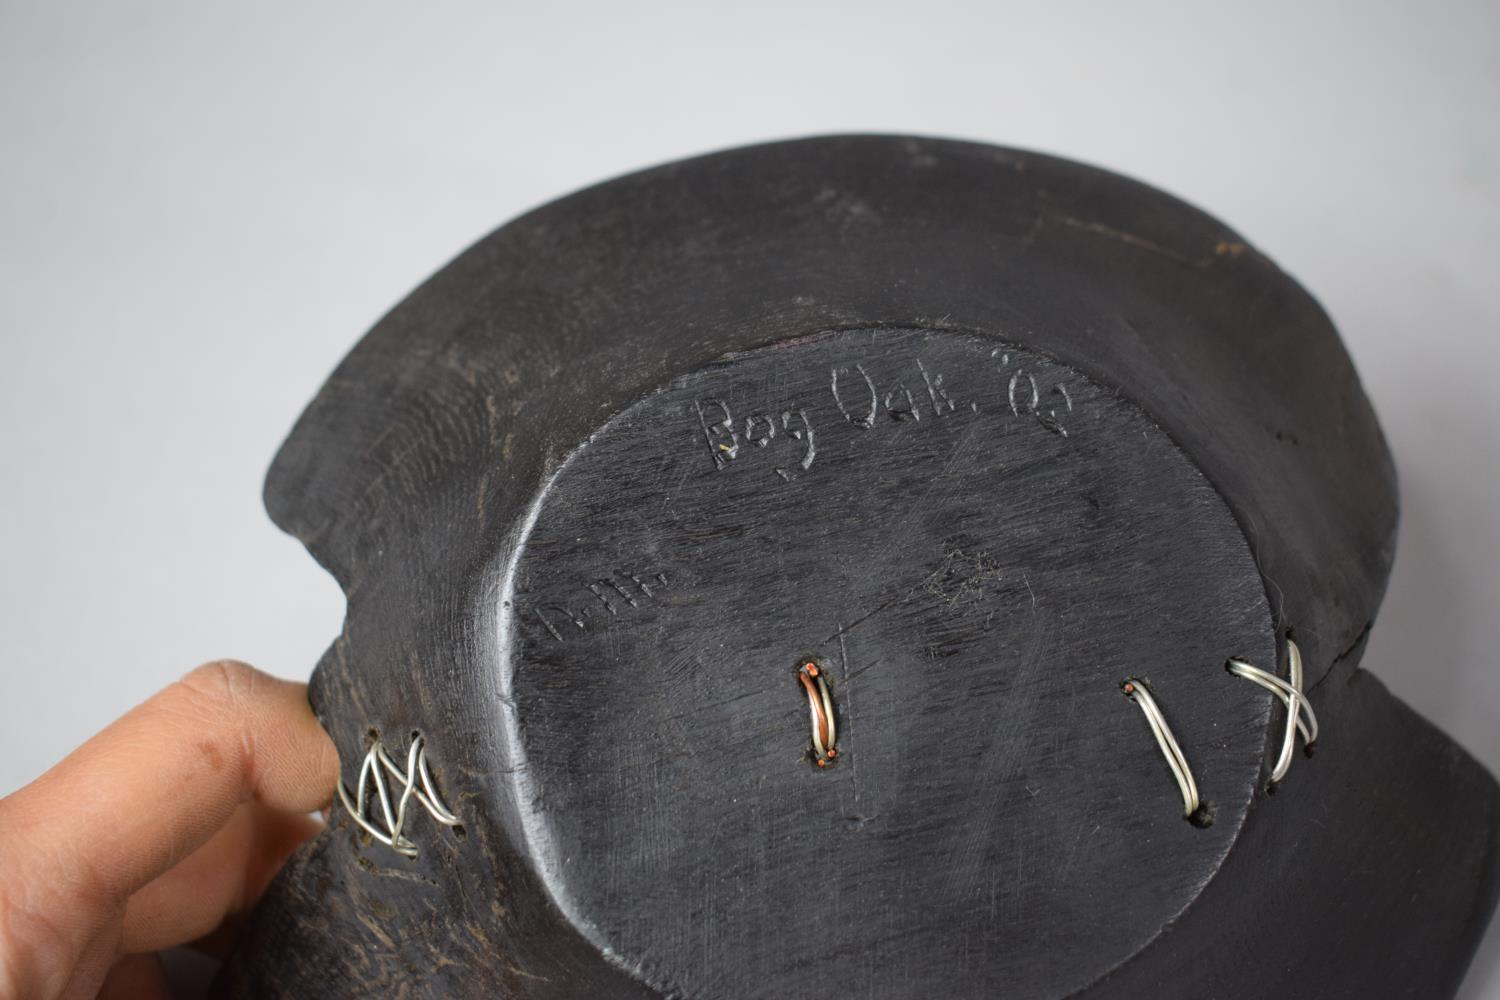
(136, 799)
(154, 786)
(217, 882)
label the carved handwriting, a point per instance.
(603, 598)
(858, 399)
(724, 435)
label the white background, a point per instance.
(202, 208)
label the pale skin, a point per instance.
(161, 830)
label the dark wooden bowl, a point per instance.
(980, 434)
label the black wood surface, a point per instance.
(981, 433)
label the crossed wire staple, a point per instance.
(1299, 711)
(414, 782)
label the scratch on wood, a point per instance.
(842, 631)
(1129, 239)
(370, 925)
(380, 871)
(849, 708)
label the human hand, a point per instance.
(161, 830)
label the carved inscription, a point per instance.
(866, 399)
(598, 601)
(725, 435)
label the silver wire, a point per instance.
(827, 697)
(415, 782)
(1290, 693)
(1135, 689)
